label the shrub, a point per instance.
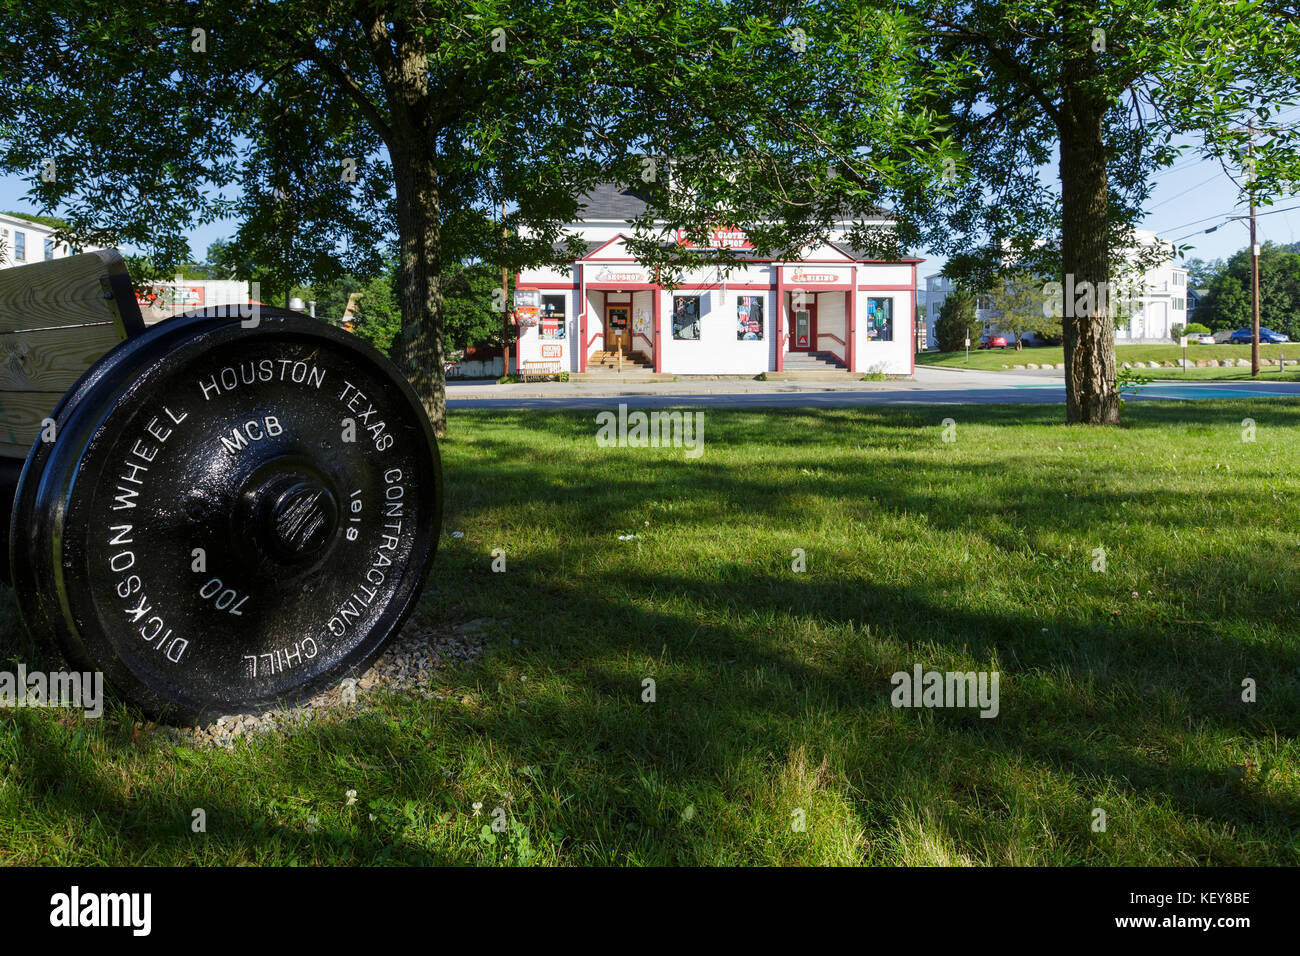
(956, 321)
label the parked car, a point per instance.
(1205, 340)
(1244, 336)
(993, 342)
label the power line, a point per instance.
(1227, 217)
(1166, 202)
(1221, 215)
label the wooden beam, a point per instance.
(57, 318)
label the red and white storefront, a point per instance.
(752, 319)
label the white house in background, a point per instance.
(23, 241)
(937, 289)
(831, 307)
(1159, 303)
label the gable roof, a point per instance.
(610, 202)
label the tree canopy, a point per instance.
(1227, 303)
(464, 132)
(1103, 92)
(328, 128)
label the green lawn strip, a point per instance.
(1266, 374)
(771, 738)
(995, 359)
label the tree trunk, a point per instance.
(1091, 391)
(420, 273)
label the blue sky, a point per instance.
(1190, 190)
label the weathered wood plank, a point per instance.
(88, 289)
(56, 319)
(21, 414)
(51, 359)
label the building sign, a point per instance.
(813, 276)
(552, 351)
(527, 305)
(173, 297)
(718, 239)
(619, 274)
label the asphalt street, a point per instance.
(929, 387)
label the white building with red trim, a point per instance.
(832, 308)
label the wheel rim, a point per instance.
(203, 531)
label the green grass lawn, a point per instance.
(995, 359)
(1266, 374)
(1120, 690)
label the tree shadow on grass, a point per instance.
(752, 664)
(710, 717)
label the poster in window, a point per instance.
(551, 322)
(686, 317)
(749, 318)
(880, 320)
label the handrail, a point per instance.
(638, 335)
(832, 335)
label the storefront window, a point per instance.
(880, 320)
(551, 319)
(686, 316)
(749, 318)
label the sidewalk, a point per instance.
(925, 379)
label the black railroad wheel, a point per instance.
(230, 517)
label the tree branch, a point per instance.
(1026, 79)
(354, 90)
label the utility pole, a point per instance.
(1254, 265)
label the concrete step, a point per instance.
(811, 360)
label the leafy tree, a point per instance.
(1104, 90)
(956, 321)
(326, 128)
(1018, 304)
(377, 317)
(1227, 304)
(53, 222)
(474, 316)
(332, 297)
(1201, 273)
(471, 308)
(1195, 328)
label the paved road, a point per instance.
(964, 388)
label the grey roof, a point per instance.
(610, 202)
(591, 246)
